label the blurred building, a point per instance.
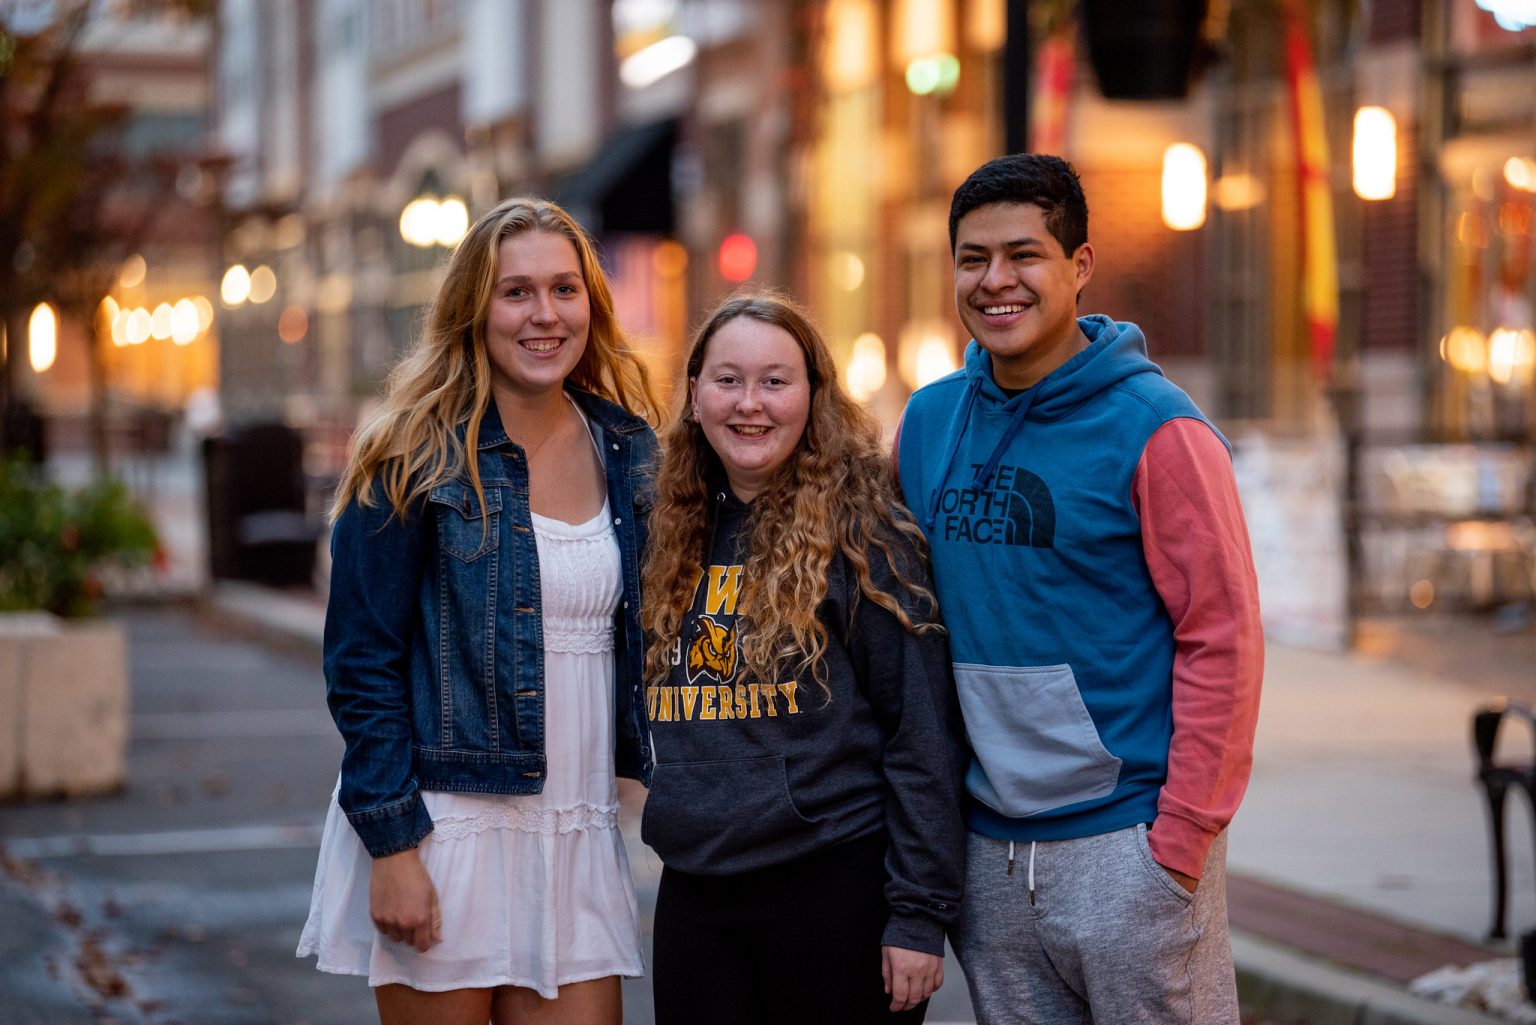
(156, 342)
(1350, 297)
(362, 138)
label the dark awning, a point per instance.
(627, 186)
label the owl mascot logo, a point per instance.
(713, 651)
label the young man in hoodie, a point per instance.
(1093, 568)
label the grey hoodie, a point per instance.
(754, 773)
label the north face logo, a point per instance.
(1013, 507)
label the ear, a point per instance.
(1082, 262)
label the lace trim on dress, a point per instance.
(578, 636)
(547, 821)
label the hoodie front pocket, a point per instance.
(702, 814)
(1035, 744)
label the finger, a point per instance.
(901, 992)
(938, 979)
(885, 970)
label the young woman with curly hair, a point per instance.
(806, 797)
(483, 649)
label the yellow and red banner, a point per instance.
(1319, 258)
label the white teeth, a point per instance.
(997, 311)
(541, 346)
(750, 430)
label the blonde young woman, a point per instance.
(806, 797)
(483, 649)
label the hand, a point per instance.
(910, 976)
(403, 902)
(1188, 882)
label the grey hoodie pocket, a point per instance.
(1036, 746)
(701, 816)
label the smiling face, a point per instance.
(536, 329)
(1016, 290)
(752, 397)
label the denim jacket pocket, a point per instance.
(1035, 744)
(463, 531)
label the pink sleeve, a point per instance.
(1196, 546)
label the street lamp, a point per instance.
(236, 286)
(1375, 153)
(1183, 187)
(43, 337)
(427, 221)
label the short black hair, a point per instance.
(1046, 181)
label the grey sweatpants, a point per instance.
(1108, 936)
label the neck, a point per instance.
(528, 408)
(530, 417)
(1017, 375)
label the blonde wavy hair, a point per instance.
(835, 493)
(413, 443)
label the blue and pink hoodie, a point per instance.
(1093, 569)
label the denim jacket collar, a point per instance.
(606, 415)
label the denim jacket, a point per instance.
(434, 654)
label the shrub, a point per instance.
(55, 543)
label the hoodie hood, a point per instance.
(1116, 350)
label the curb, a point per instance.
(1283, 984)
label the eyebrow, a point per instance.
(525, 279)
(770, 368)
(1010, 244)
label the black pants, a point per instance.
(795, 944)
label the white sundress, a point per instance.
(535, 891)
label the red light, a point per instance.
(738, 257)
(293, 325)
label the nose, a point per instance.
(544, 309)
(997, 277)
(749, 399)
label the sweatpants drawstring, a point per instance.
(1030, 882)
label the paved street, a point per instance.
(180, 901)
(185, 903)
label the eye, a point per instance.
(567, 289)
(514, 292)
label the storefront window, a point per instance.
(1487, 350)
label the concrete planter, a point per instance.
(63, 706)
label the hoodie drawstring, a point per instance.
(1017, 422)
(957, 429)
